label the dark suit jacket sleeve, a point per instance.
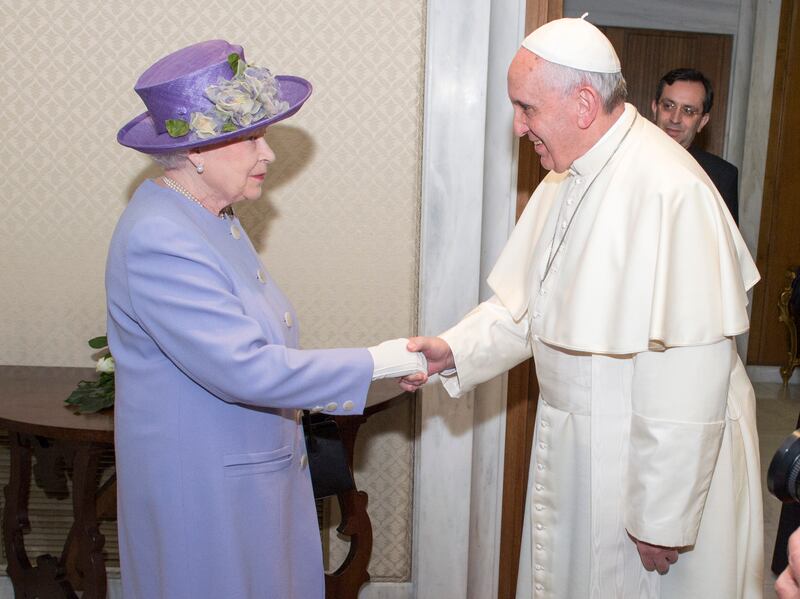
(724, 175)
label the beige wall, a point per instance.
(337, 226)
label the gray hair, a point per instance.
(170, 160)
(611, 87)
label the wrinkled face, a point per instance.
(235, 171)
(542, 112)
(679, 111)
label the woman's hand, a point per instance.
(439, 356)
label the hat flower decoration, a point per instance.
(250, 96)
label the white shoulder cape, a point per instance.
(652, 259)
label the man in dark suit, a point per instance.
(682, 108)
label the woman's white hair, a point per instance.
(170, 160)
(611, 87)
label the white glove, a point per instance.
(393, 360)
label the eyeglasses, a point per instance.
(687, 111)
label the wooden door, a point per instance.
(647, 54)
(779, 236)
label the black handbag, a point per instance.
(327, 458)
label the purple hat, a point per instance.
(205, 94)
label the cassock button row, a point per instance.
(303, 461)
(287, 318)
(260, 276)
(235, 232)
(348, 405)
(332, 406)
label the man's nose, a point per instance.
(520, 125)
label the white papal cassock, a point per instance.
(626, 278)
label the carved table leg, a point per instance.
(47, 579)
(86, 567)
(351, 575)
(15, 513)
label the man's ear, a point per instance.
(654, 108)
(589, 104)
(703, 122)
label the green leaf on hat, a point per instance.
(228, 127)
(237, 64)
(177, 127)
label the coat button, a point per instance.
(539, 587)
(539, 547)
(316, 409)
(539, 526)
(235, 232)
(260, 276)
(539, 567)
(348, 405)
(332, 406)
(540, 467)
(287, 318)
(303, 461)
(539, 487)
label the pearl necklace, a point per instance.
(175, 186)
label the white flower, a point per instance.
(204, 126)
(105, 365)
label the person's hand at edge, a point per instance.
(788, 584)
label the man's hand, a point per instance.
(438, 354)
(787, 585)
(655, 557)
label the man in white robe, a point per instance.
(626, 279)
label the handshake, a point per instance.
(411, 360)
(392, 359)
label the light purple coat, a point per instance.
(214, 495)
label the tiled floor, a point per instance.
(777, 410)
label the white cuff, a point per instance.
(392, 360)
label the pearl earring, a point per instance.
(200, 168)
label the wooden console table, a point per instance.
(32, 410)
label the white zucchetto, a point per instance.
(574, 43)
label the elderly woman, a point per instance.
(214, 493)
